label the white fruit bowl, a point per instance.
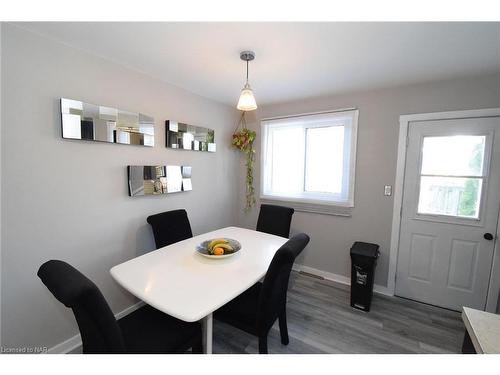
(202, 249)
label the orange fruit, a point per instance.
(218, 251)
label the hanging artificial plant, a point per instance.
(243, 141)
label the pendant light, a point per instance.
(247, 100)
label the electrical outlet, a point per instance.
(387, 190)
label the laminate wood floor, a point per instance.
(321, 320)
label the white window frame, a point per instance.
(309, 201)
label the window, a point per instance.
(451, 175)
(310, 159)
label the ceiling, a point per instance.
(293, 60)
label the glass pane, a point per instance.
(460, 155)
(325, 159)
(452, 196)
(287, 160)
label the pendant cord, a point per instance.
(242, 122)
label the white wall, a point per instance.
(379, 111)
(68, 199)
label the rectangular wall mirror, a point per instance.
(93, 122)
(189, 137)
(158, 179)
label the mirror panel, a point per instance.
(92, 122)
(189, 137)
(158, 179)
(174, 179)
(186, 179)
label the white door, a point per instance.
(450, 209)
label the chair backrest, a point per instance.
(272, 299)
(170, 227)
(275, 220)
(98, 327)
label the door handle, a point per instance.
(488, 236)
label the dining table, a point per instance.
(181, 282)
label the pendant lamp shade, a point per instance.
(247, 100)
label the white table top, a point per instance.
(484, 330)
(182, 283)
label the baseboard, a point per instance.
(66, 346)
(379, 289)
(129, 310)
(74, 342)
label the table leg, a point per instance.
(467, 345)
(207, 324)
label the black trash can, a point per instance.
(363, 261)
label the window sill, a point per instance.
(317, 208)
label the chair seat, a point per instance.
(148, 330)
(241, 312)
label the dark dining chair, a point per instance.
(146, 330)
(255, 310)
(170, 227)
(275, 220)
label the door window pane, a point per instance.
(460, 155)
(451, 196)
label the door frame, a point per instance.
(404, 122)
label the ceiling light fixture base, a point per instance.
(247, 55)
